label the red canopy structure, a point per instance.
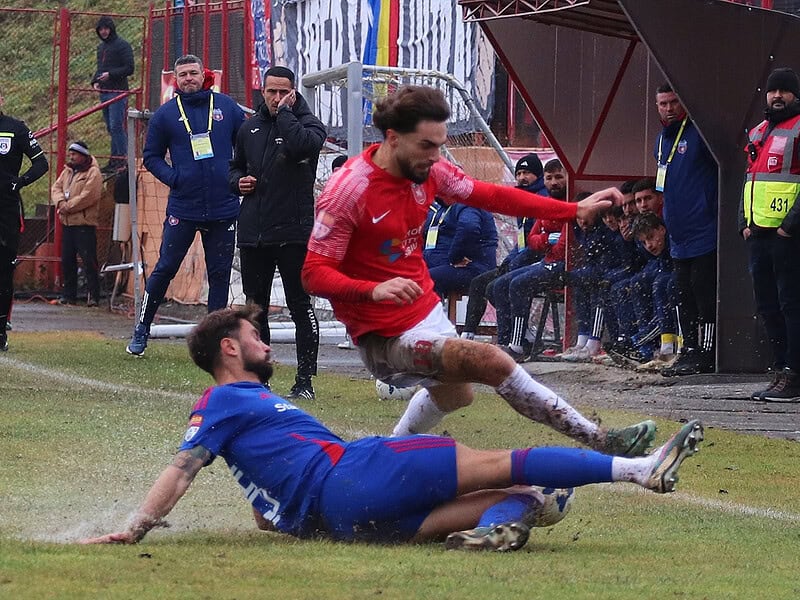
(588, 70)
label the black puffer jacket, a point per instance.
(281, 152)
(115, 56)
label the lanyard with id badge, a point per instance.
(433, 230)
(201, 142)
(661, 174)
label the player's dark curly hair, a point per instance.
(403, 110)
(645, 223)
(204, 340)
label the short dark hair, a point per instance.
(645, 223)
(664, 88)
(282, 72)
(188, 59)
(648, 183)
(627, 186)
(204, 340)
(553, 165)
(403, 110)
(338, 162)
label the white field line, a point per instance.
(78, 381)
(720, 505)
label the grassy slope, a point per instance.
(77, 460)
(27, 48)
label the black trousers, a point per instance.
(258, 270)
(79, 240)
(696, 285)
(8, 256)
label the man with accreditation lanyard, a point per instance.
(198, 127)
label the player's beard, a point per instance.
(412, 174)
(261, 367)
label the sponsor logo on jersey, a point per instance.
(196, 420)
(5, 145)
(392, 250)
(190, 433)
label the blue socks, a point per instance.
(559, 467)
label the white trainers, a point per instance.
(582, 355)
(660, 361)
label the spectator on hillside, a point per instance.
(460, 244)
(114, 66)
(529, 175)
(16, 141)
(76, 195)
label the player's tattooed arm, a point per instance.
(170, 486)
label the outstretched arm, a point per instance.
(170, 486)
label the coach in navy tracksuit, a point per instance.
(461, 243)
(198, 127)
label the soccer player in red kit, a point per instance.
(365, 256)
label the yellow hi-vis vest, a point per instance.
(771, 187)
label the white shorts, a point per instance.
(413, 357)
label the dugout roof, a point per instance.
(588, 70)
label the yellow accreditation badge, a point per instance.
(430, 239)
(201, 146)
(661, 177)
(520, 237)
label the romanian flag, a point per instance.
(381, 43)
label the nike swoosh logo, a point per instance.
(378, 219)
(254, 130)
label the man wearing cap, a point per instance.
(686, 175)
(528, 173)
(769, 221)
(16, 141)
(274, 168)
(76, 195)
(198, 128)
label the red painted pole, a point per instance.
(167, 31)
(224, 85)
(61, 118)
(185, 28)
(206, 32)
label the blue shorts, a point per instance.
(382, 489)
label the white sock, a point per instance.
(421, 415)
(516, 348)
(635, 470)
(533, 400)
(582, 339)
(593, 346)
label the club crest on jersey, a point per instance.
(217, 115)
(194, 427)
(419, 193)
(173, 220)
(322, 225)
(5, 145)
(682, 146)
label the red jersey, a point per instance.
(369, 224)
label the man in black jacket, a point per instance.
(274, 168)
(114, 66)
(16, 140)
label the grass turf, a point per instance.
(86, 429)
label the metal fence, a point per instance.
(50, 59)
